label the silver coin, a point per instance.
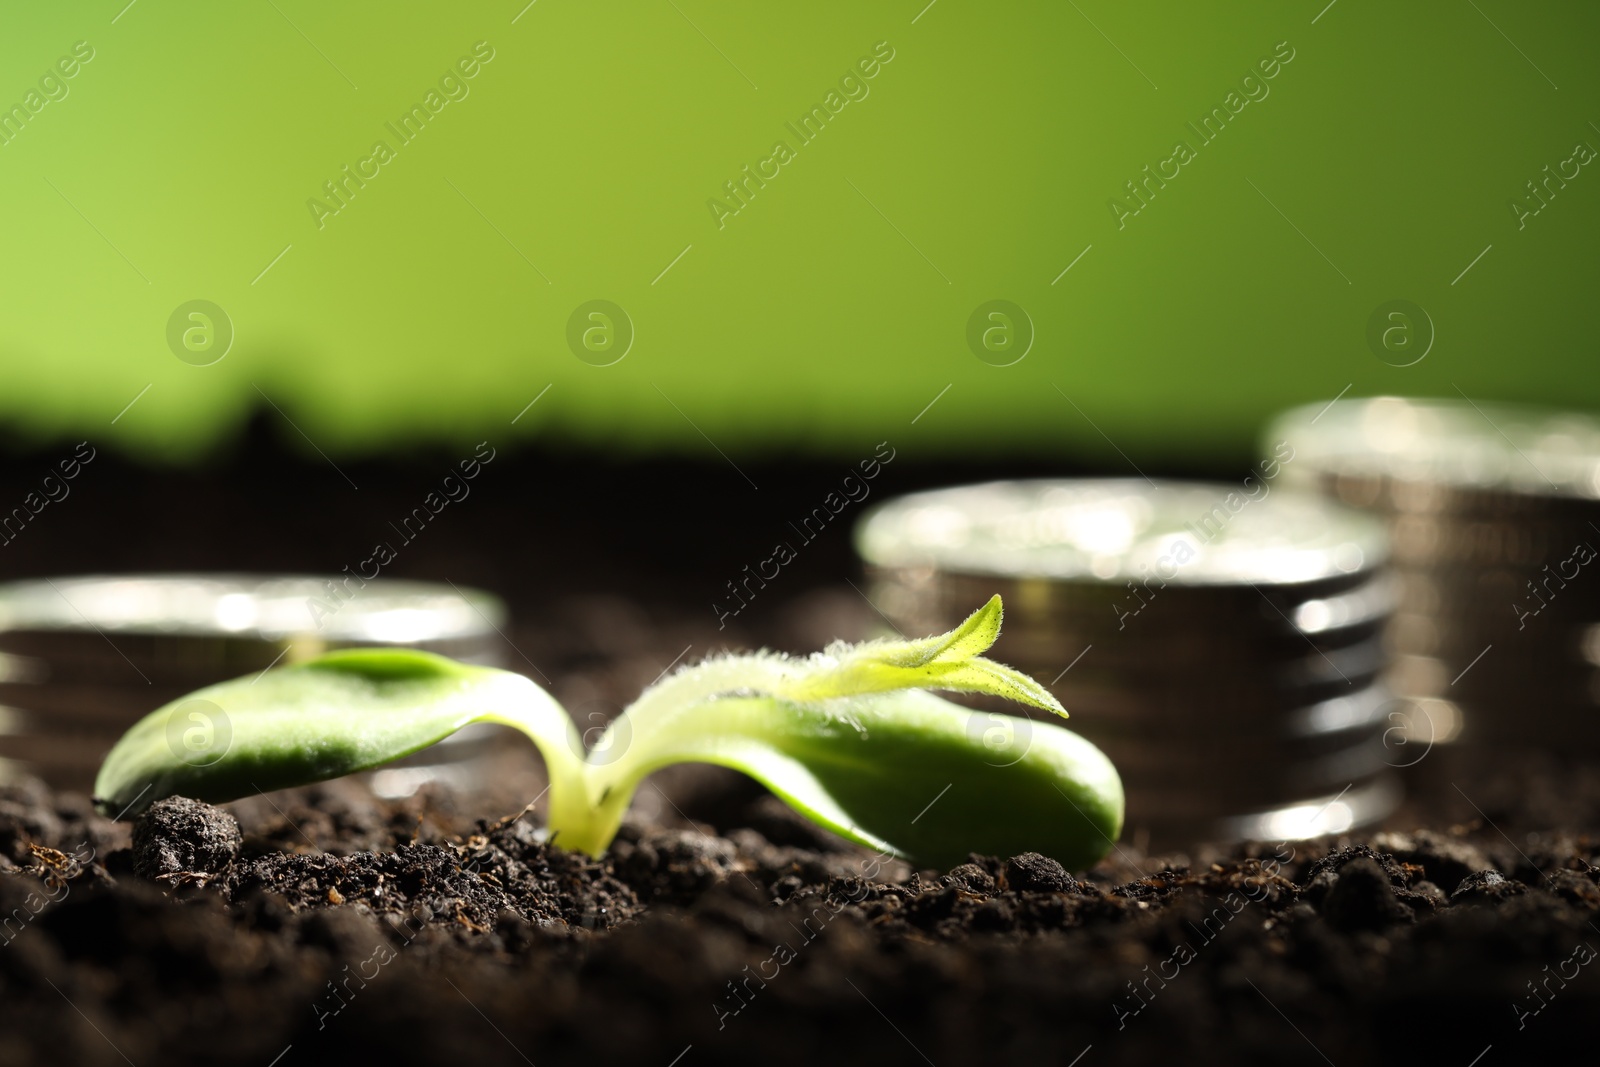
(1446, 443)
(1240, 787)
(342, 609)
(1116, 531)
(1311, 609)
(1529, 652)
(82, 658)
(1354, 806)
(1227, 727)
(1442, 542)
(1224, 653)
(1393, 495)
(1495, 514)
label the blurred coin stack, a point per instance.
(1221, 644)
(82, 659)
(1495, 519)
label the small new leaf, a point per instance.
(975, 636)
(951, 661)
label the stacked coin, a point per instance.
(1495, 515)
(1220, 643)
(82, 659)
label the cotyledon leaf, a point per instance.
(340, 713)
(905, 772)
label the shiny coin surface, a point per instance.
(344, 610)
(1123, 530)
(1446, 443)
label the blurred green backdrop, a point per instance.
(980, 162)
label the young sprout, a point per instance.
(849, 738)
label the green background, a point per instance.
(834, 307)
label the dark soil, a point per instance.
(407, 932)
(720, 929)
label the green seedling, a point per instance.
(849, 737)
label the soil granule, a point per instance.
(183, 838)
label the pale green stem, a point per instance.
(644, 725)
(570, 807)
